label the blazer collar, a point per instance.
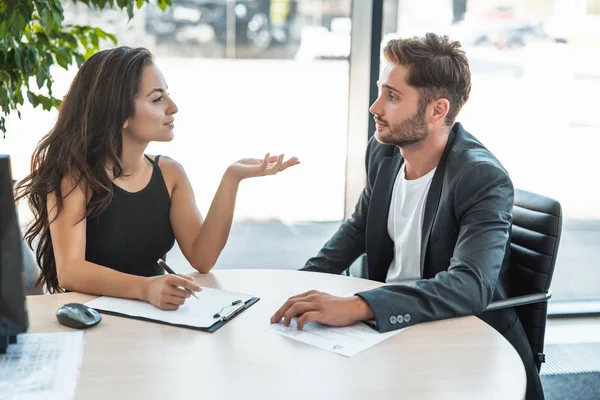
(380, 247)
(433, 196)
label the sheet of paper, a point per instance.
(194, 313)
(41, 366)
(345, 341)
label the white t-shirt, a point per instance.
(405, 225)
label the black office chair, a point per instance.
(30, 271)
(30, 267)
(537, 224)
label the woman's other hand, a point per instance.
(253, 167)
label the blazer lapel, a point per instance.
(380, 247)
(433, 199)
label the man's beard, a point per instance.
(410, 131)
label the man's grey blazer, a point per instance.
(464, 244)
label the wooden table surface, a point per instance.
(461, 358)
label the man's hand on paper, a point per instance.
(323, 308)
(165, 291)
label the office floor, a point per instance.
(572, 368)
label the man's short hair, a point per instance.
(437, 68)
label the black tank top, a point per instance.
(134, 231)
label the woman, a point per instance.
(104, 211)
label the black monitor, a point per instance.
(13, 312)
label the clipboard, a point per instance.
(213, 309)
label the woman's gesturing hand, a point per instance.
(254, 167)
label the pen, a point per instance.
(170, 271)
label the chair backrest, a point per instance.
(537, 224)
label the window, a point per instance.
(249, 77)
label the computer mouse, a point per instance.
(78, 316)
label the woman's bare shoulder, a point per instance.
(171, 170)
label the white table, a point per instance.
(461, 358)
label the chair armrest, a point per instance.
(519, 300)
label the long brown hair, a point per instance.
(85, 138)
(437, 67)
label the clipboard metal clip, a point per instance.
(235, 308)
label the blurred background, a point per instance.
(279, 76)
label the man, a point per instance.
(435, 215)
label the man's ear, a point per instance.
(126, 124)
(441, 107)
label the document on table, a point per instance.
(345, 341)
(41, 366)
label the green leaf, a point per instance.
(94, 40)
(17, 55)
(163, 4)
(49, 83)
(58, 16)
(63, 57)
(100, 33)
(71, 40)
(4, 77)
(40, 7)
(89, 52)
(130, 8)
(19, 97)
(3, 28)
(33, 99)
(21, 23)
(46, 19)
(46, 102)
(43, 40)
(58, 7)
(105, 35)
(40, 77)
(12, 15)
(79, 59)
(31, 57)
(24, 14)
(112, 37)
